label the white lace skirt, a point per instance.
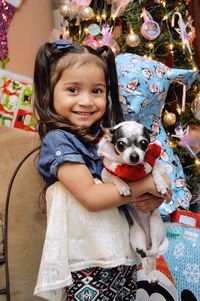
(77, 239)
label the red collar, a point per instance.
(136, 172)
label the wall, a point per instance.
(29, 28)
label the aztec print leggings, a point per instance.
(97, 284)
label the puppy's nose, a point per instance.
(134, 157)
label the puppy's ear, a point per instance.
(108, 131)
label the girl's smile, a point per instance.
(80, 94)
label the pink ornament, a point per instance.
(107, 36)
(149, 29)
(6, 11)
(91, 41)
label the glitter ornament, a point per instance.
(195, 107)
(132, 40)
(169, 118)
(7, 11)
(87, 13)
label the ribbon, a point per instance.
(61, 44)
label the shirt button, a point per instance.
(58, 153)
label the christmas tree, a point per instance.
(159, 30)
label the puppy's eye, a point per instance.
(143, 144)
(121, 146)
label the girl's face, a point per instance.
(80, 94)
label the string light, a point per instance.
(113, 17)
(150, 45)
(150, 57)
(165, 17)
(178, 109)
(86, 30)
(197, 162)
(98, 17)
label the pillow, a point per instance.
(143, 86)
(15, 101)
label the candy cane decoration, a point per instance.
(185, 37)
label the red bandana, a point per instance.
(136, 172)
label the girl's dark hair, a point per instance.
(48, 70)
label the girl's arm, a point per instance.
(78, 180)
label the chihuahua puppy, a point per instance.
(128, 154)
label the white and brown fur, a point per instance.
(147, 232)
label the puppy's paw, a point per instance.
(160, 185)
(141, 253)
(162, 188)
(152, 279)
(123, 188)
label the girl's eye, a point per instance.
(72, 89)
(97, 91)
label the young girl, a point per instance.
(87, 248)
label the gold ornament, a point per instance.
(169, 118)
(132, 40)
(195, 107)
(87, 13)
(65, 10)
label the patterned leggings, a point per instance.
(97, 284)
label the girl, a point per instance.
(87, 241)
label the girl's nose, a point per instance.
(86, 100)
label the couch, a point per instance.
(27, 218)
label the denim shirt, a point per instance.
(60, 146)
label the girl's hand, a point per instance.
(147, 202)
(152, 200)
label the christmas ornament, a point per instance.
(132, 40)
(182, 30)
(94, 29)
(195, 106)
(118, 7)
(149, 29)
(65, 10)
(189, 138)
(106, 32)
(169, 118)
(7, 11)
(87, 13)
(91, 41)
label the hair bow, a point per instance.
(60, 44)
